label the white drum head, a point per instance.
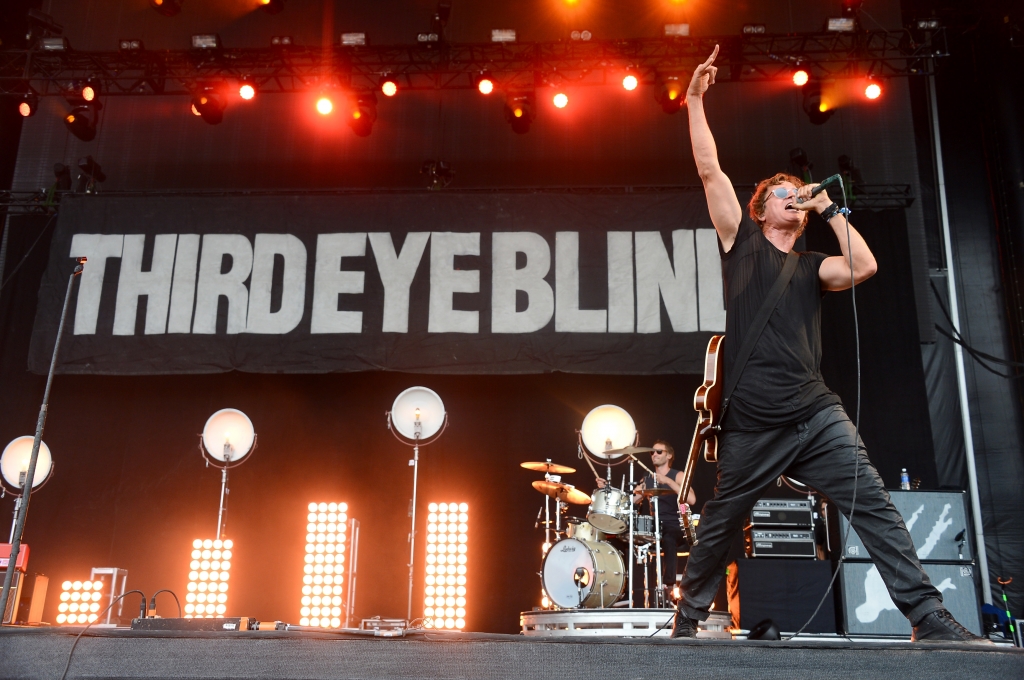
(560, 565)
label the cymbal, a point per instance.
(551, 468)
(626, 451)
(562, 492)
(658, 491)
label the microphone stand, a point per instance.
(26, 492)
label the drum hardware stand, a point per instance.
(578, 577)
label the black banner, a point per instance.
(423, 282)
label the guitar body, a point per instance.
(707, 401)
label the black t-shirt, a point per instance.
(781, 383)
(668, 506)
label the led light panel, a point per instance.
(80, 602)
(208, 575)
(323, 579)
(447, 547)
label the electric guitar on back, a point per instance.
(707, 401)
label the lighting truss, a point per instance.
(514, 66)
(445, 591)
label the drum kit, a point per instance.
(582, 568)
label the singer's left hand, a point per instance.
(818, 203)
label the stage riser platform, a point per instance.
(247, 656)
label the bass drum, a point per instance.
(600, 570)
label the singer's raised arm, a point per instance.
(834, 272)
(722, 202)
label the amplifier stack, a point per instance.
(781, 527)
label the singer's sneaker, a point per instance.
(940, 626)
(683, 626)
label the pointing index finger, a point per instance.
(711, 59)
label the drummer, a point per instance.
(668, 510)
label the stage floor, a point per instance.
(43, 652)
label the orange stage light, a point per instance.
(246, 91)
(800, 78)
(873, 91)
(486, 86)
(389, 88)
(324, 106)
(561, 100)
(630, 82)
(88, 93)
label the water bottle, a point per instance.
(904, 480)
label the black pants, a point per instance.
(822, 453)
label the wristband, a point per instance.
(828, 213)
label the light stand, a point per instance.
(417, 418)
(30, 473)
(228, 437)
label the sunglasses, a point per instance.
(782, 192)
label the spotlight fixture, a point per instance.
(168, 8)
(753, 29)
(677, 30)
(503, 35)
(484, 83)
(818, 109)
(417, 418)
(271, 6)
(873, 90)
(247, 89)
(324, 105)
(560, 100)
(447, 547)
(581, 35)
(427, 38)
(54, 44)
(323, 593)
(208, 106)
(281, 41)
(520, 112)
(90, 175)
(14, 465)
(130, 45)
(208, 575)
(931, 24)
(631, 80)
(89, 90)
(353, 39)
(607, 428)
(388, 85)
(800, 77)
(28, 105)
(841, 24)
(81, 122)
(206, 41)
(228, 437)
(670, 93)
(363, 113)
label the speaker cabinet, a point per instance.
(868, 609)
(934, 519)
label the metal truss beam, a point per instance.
(513, 66)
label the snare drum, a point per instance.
(609, 510)
(600, 570)
(583, 530)
(643, 529)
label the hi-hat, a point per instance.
(562, 492)
(657, 491)
(549, 467)
(629, 451)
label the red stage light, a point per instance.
(800, 78)
(246, 91)
(561, 100)
(389, 87)
(486, 86)
(873, 91)
(88, 93)
(324, 106)
(630, 82)
(27, 107)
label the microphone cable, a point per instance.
(856, 426)
(142, 610)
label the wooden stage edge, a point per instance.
(121, 653)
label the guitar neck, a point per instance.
(691, 462)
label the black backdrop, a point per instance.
(130, 489)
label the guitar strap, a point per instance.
(756, 327)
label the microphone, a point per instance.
(821, 187)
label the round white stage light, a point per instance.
(418, 408)
(228, 436)
(607, 428)
(14, 464)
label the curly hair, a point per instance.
(756, 206)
